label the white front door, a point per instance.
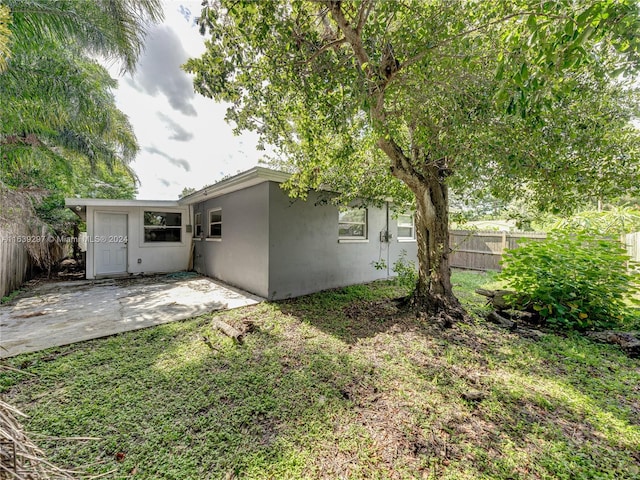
(110, 243)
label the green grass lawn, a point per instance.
(335, 385)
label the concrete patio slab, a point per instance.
(60, 313)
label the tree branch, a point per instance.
(323, 49)
(425, 52)
(400, 165)
(351, 35)
(363, 14)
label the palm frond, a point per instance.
(111, 28)
(61, 98)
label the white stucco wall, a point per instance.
(153, 257)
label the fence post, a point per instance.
(631, 242)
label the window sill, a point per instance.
(406, 240)
(161, 244)
(353, 240)
(212, 239)
(196, 239)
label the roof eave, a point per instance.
(112, 202)
(243, 180)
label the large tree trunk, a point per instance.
(425, 177)
(434, 292)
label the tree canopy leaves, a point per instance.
(526, 98)
(113, 29)
(523, 98)
(58, 108)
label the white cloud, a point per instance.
(184, 139)
(158, 70)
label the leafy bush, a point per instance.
(406, 273)
(405, 270)
(573, 281)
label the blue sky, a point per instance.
(184, 139)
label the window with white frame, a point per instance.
(406, 227)
(352, 224)
(197, 221)
(215, 223)
(162, 227)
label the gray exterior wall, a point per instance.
(278, 247)
(240, 258)
(305, 254)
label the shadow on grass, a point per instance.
(544, 412)
(353, 313)
(169, 406)
(335, 385)
(547, 407)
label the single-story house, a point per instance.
(247, 232)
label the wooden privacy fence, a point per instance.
(476, 250)
(15, 263)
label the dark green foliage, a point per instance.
(51, 210)
(573, 281)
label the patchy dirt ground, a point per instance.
(341, 384)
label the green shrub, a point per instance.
(573, 281)
(10, 296)
(406, 273)
(405, 270)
